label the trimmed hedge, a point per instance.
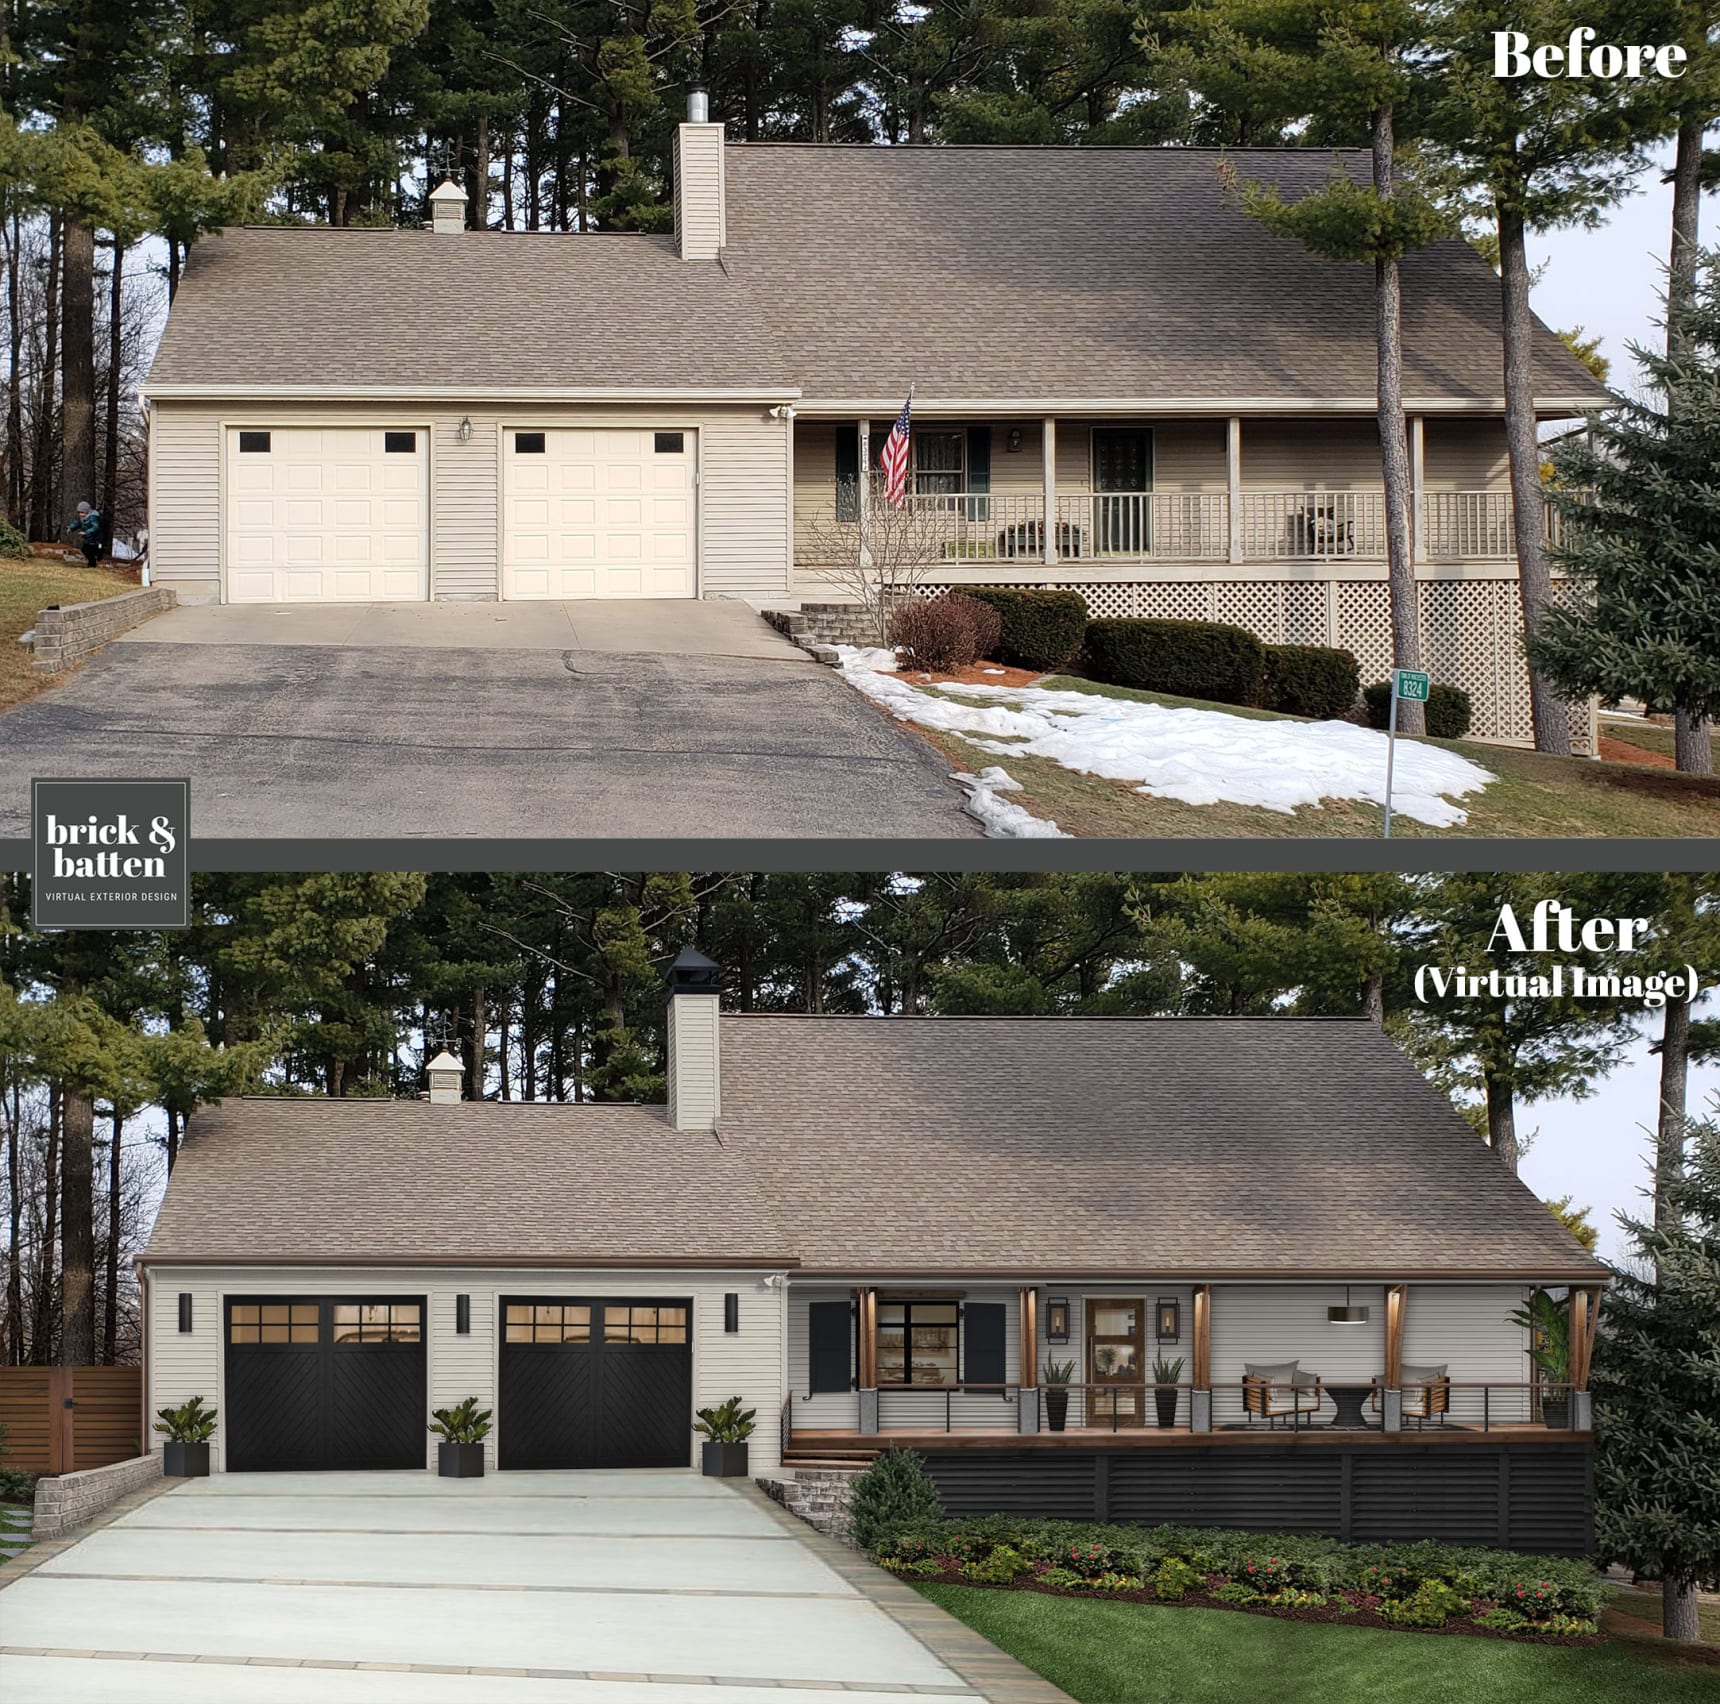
(1041, 629)
(1186, 659)
(1406, 1585)
(1448, 709)
(1321, 681)
(941, 634)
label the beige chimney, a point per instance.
(695, 1063)
(447, 209)
(701, 225)
(446, 1073)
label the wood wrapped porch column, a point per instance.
(1027, 1399)
(1200, 1361)
(866, 1358)
(1585, 1306)
(1391, 1398)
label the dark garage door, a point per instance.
(595, 1382)
(324, 1382)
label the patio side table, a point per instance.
(1349, 1401)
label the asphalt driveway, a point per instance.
(520, 1588)
(516, 721)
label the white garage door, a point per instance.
(599, 514)
(328, 515)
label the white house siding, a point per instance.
(1464, 455)
(1468, 1328)
(903, 1411)
(747, 1363)
(744, 501)
(1273, 1323)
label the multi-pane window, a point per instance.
(938, 462)
(377, 1322)
(633, 1324)
(917, 1343)
(273, 1322)
(548, 1322)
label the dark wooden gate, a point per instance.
(69, 1419)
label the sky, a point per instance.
(1609, 281)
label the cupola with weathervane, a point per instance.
(445, 1073)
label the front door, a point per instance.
(1122, 477)
(1116, 1341)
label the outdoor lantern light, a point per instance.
(1170, 1319)
(1057, 1319)
(1348, 1314)
(463, 1315)
(1014, 440)
(465, 429)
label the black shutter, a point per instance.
(979, 469)
(982, 1343)
(847, 479)
(830, 1334)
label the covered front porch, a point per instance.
(1007, 499)
(1050, 1369)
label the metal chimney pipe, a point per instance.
(698, 105)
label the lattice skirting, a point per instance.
(1469, 631)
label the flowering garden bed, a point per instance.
(1430, 1588)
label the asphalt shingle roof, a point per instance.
(1205, 1148)
(1051, 274)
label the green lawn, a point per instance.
(29, 585)
(1533, 795)
(1124, 1653)
(14, 1525)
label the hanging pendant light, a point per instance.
(1348, 1314)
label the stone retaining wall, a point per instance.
(70, 1499)
(69, 633)
(818, 1495)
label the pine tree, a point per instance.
(1642, 551)
(1656, 1390)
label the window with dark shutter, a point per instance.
(979, 472)
(830, 1339)
(848, 473)
(983, 1344)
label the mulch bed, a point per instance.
(1622, 751)
(1205, 1600)
(975, 674)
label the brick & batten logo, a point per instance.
(110, 854)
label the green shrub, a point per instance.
(1004, 1564)
(1115, 1581)
(1321, 681)
(1503, 1620)
(190, 1423)
(891, 1497)
(1174, 1578)
(12, 542)
(1187, 659)
(1236, 1591)
(17, 1486)
(465, 1423)
(940, 634)
(1431, 1604)
(1041, 629)
(1449, 709)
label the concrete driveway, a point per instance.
(517, 721)
(522, 1588)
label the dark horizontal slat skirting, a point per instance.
(1517, 1497)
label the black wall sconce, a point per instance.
(731, 1312)
(463, 1315)
(184, 1310)
(1057, 1319)
(1168, 1324)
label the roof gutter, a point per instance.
(1208, 1275)
(604, 1262)
(454, 395)
(1553, 407)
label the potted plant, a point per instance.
(725, 1430)
(1166, 1373)
(1549, 1327)
(1057, 1377)
(188, 1428)
(462, 1429)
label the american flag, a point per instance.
(893, 458)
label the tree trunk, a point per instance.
(116, 361)
(1678, 1610)
(42, 1314)
(15, 510)
(1394, 443)
(110, 1295)
(14, 1248)
(173, 1128)
(1670, 1126)
(77, 1232)
(1551, 720)
(1692, 745)
(42, 490)
(475, 1057)
(481, 177)
(78, 371)
(1502, 1119)
(1374, 996)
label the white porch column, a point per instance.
(1233, 482)
(863, 496)
(1418, 486)
(1048, 454)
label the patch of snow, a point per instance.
(1201, 757)
(994, 671)
(1003, 819)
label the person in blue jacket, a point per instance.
(86, 527)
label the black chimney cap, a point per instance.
(693, 973)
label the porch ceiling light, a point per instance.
(1348, 1314)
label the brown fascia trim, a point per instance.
(718, 1263)
(1206, 1275)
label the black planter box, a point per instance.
(723, 1461)
(1166, 1403)
(1556, 1412)
(185, 1461)
(1056, 1407)
(460, 1461)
